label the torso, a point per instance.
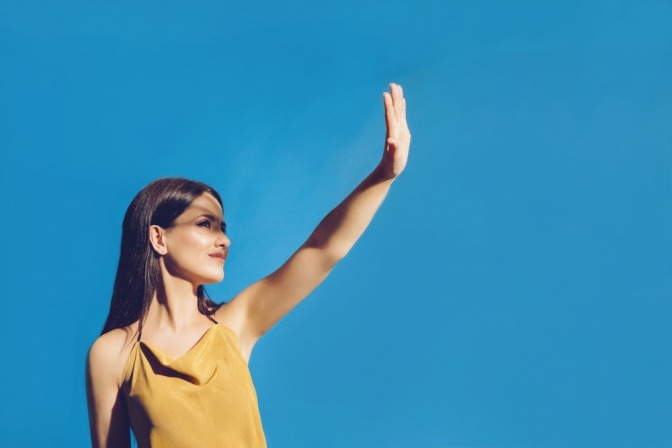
(125, 338)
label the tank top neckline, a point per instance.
(208, 390)
(191, 349)
(168, 359)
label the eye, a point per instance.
(224, 228)
(205, 223)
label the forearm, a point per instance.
(342, 227)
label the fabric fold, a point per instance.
(204, 398)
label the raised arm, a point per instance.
(265, 302)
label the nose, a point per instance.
(223, 241)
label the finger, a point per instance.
(400, 104)
(389, 107)
(394, 91)
(390, 117)
(391, 144)
(402, 111)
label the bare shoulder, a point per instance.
(108, 418)
(108, 354)
(231, 315)
(234, 315)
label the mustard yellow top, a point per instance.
(205, 398)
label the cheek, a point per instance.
(190, 244)
(196, 240)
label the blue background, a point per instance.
(514, 289)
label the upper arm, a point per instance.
(108, 417)
(266, 301)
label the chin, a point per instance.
(212, 279)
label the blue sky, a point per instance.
(514, 289)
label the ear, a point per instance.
(156, 239)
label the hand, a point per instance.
(398, 137)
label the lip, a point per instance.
(220, 256)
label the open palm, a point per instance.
(398, 136)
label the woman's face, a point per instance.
(196, 247)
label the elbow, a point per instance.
(331, 250)
(333, 253)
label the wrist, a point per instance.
(383, 173)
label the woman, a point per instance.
(170, 363)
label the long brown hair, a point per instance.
(138, 274)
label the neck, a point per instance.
(174, 305)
